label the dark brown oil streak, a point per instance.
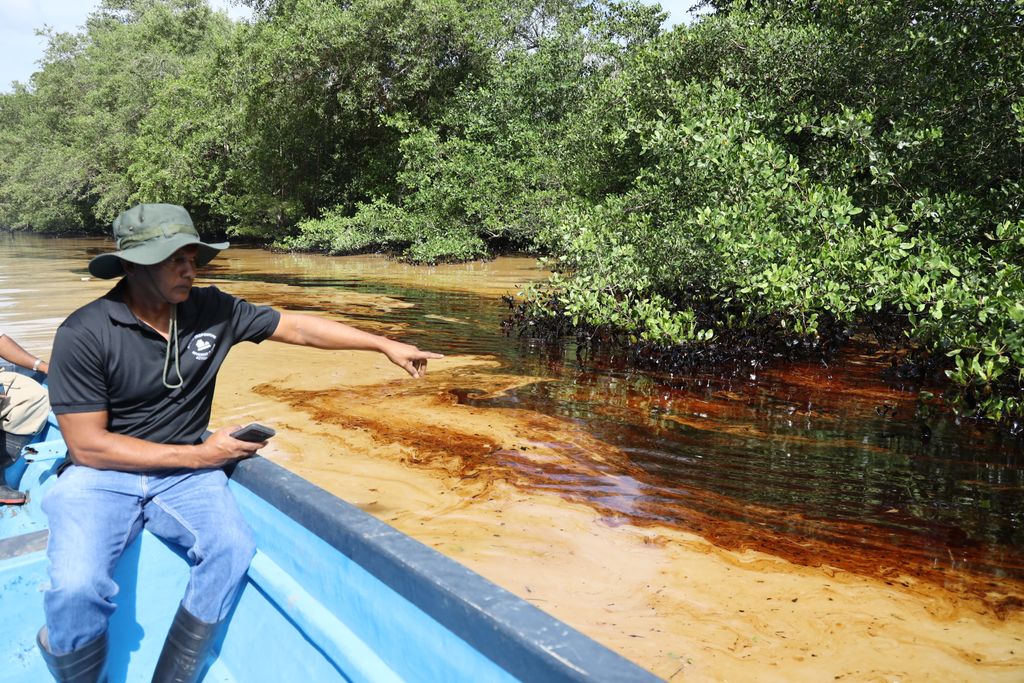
(615, 487)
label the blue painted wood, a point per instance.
(523, 640)
(333, 594)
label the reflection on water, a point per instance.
(823, 464)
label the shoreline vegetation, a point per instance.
(774, 180)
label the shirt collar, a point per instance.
(117, 309)
(119, 312)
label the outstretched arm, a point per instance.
(11, 351)
(321, 333)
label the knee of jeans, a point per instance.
(236, 550)
(85, 584)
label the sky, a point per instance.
(21, 48)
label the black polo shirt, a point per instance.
(104, 358)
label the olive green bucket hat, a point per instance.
(147, 234)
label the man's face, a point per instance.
(172, 278)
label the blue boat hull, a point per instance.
(333, 594)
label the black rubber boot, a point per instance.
(87, 664)
(186, 649)
(10, 450)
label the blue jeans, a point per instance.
(95, 514)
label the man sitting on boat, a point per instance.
(132, 386)
(23, 410)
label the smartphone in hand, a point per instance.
(253, 432)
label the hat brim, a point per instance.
(106, 266)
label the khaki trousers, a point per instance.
(24, 408)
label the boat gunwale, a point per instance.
(517, 636)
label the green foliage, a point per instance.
(487, 170)
(381, 226)
(780, 169)
(69, 140)
(376, 226)
(291, 114)
(770, 166)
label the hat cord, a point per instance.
(172, 334)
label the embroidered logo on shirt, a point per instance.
(202, 345)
